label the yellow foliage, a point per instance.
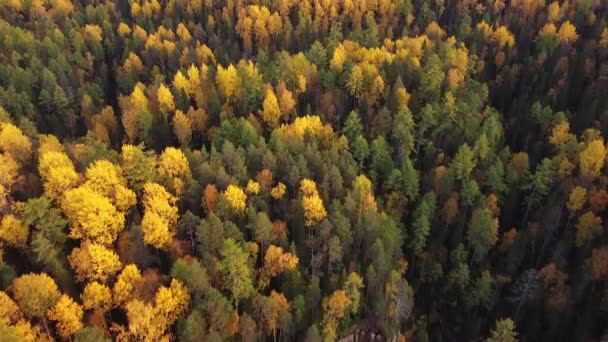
(236, 197)
(107, 179)
(68, 316)
(592, 158)
(182, 127)
(35, 293)
(308, 187)
(160, 216)
(165, 99)
(174, 166)
(314, 211)
(560, 134)
(170, 302)
(278, 191)
(133, 63)
(338, 59)
(183, 33)
(504, 37)
(434, 31)
(228, 82)
(9, 171)
(92, 216)
(301, 125)
(271, 113)
(93, 262)
(334, 309)
(577, 198)
(604, 38)
(180, 82)
(96, 295)
(253, 187)
(276, 261)
(150, 321)
(123, 286)
(567, 33)
(124, 30)
(588, 225)
(12, 231)
(9, 310)
(553, 12)
(362, 187)
(94, 32)
(14, 142)
(58, 173)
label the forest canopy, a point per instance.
(231, 170)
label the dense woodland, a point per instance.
(277, 170)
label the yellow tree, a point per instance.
(275, 262)
(236, 197)
(278, 191)
(174, 168)
(93, 262)
(9, 311)
(182, 127)
(228, 82)
(160, 216)
(588, 225)
(92, 216)
(96, 296)
(271, 113)
(35, 294)
(577, 198)
(68, 316)
(334, 309)
(13, 232)
(58, 173)
(567, 33)
(314, 210)
(9, 171)
(253, 187)
(14, 142)
(165, 99)
(592, 158)
(123, 287)
(107, 179)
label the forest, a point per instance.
(311, 170)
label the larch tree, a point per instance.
(68, 316)
(92, 216)
(159, 224)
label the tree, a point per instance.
(482, 233)
(13, 232)
(14, 142)
(236, 271)
(236, 197)
(588, 225)
(68, 315)
(96, 296)
(182, 127)
(271, 113)
(58, 173)
(334, 309)
(123, 287)
(592, 158)
(92, 216)
(93, 262)
(35, 294)
(173, 166)
(276, 262)
(107, 179)
(165, 99)
(503, 332)
(159, 223)
(576, 199)
(314, 210)
(138, 166)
